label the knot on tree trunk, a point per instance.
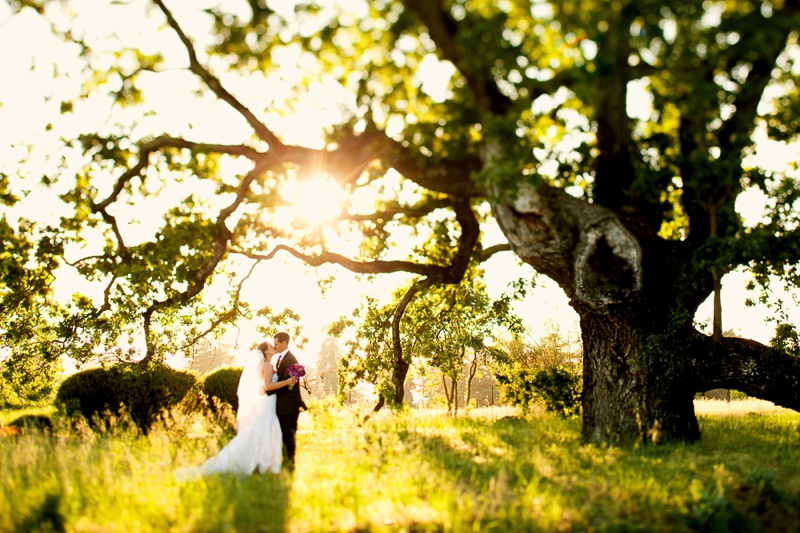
(582, 246)
(608, 263)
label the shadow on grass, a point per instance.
(258, 502)
(748, 501)
(46, 517)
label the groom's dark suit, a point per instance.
(288, 404)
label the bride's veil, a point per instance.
(249, 387)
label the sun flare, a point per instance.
(316, 201)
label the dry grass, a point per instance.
(420, 471)
(706, 407)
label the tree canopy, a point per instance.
(634, 215)
(437, 328)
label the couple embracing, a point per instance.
(266, 419)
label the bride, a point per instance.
(258, 444)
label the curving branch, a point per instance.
(470, 232)
(124, 253)
(215, 85)
(166, 141)
(353, 154)
(228, 316)
(201, 275)
(443, 29)
(560, 236)
(413, 211)
(735, 132)
(77, 262)
(749, 366)
(486, 253)
(400, 367)
(147, 148)
(359, 267)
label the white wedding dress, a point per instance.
(258, 444)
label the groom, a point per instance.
(288, 402)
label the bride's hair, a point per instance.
(263, 348)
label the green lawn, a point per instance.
(418, 471)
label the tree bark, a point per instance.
(643, 361)
(455, 395)
(447, 394)
(473, 369)
(635, 385)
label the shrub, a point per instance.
(559, 388)
(222, 384)
(33, 421)
(145, 392)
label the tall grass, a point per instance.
(415, 471)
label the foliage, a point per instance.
(28, 380)
(221, 385)
(29, 332)
(535, 94)
(324, 377)
(486, 472)
(438, 327)
(786, 339)
(287, 320)
(546, 370)
(206, 357)
(559, 388)
(145, 392)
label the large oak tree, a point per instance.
(633, 216)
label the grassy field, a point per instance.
(418, 471)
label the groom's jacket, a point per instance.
(288, 401)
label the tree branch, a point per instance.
(367, 267)
(443, 28)
(486, 253)
(558, 235)
(354, 153)
(225, 317)
(470, 232)
(166, 141)
(750, 367)
(735, 132)
(400, 369)
(202, 274)
(214, 84)
(420, 210)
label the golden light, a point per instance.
(316, 200)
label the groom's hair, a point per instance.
(283, 337)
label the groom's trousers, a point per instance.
(288, 428)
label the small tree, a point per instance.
(546, 370)
(324, 377)
(442, 325)
(206, 356)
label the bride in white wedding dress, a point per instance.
(258, 445)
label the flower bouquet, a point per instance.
(296, 371)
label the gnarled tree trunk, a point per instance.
(643, 360)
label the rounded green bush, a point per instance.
(145, 392)
(222, 384)
(44, 422)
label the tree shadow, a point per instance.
(45, 517)
(258, 502)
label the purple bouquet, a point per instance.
(296, 371)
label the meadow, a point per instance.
(488, 470)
